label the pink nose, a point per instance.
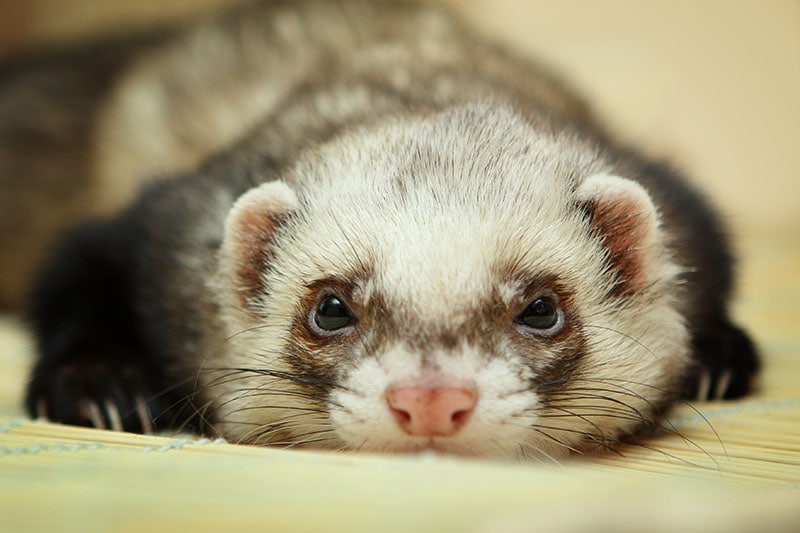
(431, 412)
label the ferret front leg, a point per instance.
(93, 368)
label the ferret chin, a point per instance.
(410, 240)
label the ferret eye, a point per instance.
(542, 315)
(332, 314)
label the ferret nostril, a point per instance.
(459, 418)
(404, 417)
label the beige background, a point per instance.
(711, 85)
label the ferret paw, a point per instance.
(727, 364)
(93, 393)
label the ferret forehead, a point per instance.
(488, 148)
(438, 265)
(471, 162)
(440, 208)
(453, 267)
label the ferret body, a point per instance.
(363, 228)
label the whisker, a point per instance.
(547, 435)
(628, 337)
(265, 430)
(670, 427)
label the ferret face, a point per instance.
(457, 282)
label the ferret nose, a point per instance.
(431, 412)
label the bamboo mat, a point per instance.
(60, 478)
(729, 466)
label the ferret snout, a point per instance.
(432, 411)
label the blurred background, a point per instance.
(710, 85)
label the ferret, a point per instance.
(354, 225)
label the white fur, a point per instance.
(274, 197)
(494, 193)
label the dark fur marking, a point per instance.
(320, 360)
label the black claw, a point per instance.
(728, 356)
(66, 390)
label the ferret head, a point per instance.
(459, 282)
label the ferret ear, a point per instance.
(622, 214)
(249, 230)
